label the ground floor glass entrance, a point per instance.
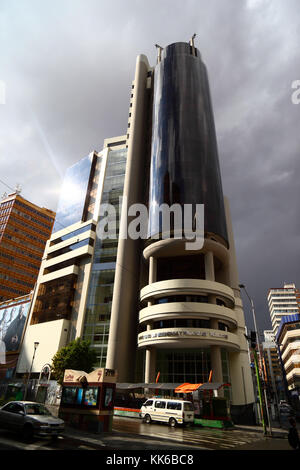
(186, 365)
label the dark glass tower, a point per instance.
(184, 156)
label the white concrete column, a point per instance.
(216, 366)
(150, 356)
(209, 266)
(152, 269)
(150, 360)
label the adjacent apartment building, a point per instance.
(283, 301)
(288, 339)
(148, 304)
(24, 230)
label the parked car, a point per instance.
(31, 419)
(167, 410)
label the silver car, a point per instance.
(31, 419)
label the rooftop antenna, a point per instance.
(18, 188)
(159, 49)
(4, 195)
(192, 44)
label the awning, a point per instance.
(187, 388)
(178, 388)
(155, 386)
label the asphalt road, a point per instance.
(133, 434)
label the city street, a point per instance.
(132, 434)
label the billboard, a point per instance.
(12, 322)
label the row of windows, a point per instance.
(287, 311)
(73, 234)
(14, 269)
(6, 204)
(29, 217)
(17, 281)
(5, 212)
(285, 305)
(71, 248)
(187, 298)
(23, 243)
(12, 290)
(24, 234)
(34, 211)
(187, 323)
(21, 252)
(30, 227)
(19, 260)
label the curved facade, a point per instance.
(189, 320)
(184, 157)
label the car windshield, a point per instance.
(37, 409)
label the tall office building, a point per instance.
(283, 301)
(24, 230)
(148, 304)
(75, 284)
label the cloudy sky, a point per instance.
(67, 66)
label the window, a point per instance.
(174, 405)
(160, 404)
(149, 403)
(37, 409)
(13, 408)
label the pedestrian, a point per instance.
(293, 436)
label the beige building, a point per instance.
(148, 305)
(282, 301)
(288, 339)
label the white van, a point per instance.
(167, 410)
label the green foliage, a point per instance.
(77, 355)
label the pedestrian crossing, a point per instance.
(204, 438)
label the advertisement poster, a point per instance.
(12, 323)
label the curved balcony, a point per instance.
(185, 287)
(188, 338)
(197, 310)
(177, 247)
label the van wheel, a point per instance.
(147, 419)
(172, 422)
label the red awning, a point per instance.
(187, 388)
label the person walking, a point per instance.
(293, 436)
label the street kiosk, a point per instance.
(87, 400)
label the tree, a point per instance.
(77, 355)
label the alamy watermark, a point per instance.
(176, 221)
(295, 97)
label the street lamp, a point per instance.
(242, 286)
(35, 345)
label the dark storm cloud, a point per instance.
(68, 67)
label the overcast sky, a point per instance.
(67, 67)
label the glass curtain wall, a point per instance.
(99, 301)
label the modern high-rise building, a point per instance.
(24, 230)
(283, 301)
(149, 304)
